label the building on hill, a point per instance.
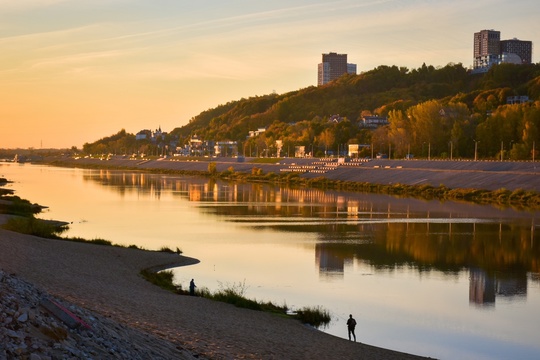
(143, 135)
(486, 48)
(332, 67)
(489, 50)
(523, 49)
(226, 148)
(523, 99)
(373, 121)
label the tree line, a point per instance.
(432, 112)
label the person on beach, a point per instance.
(351, 324)
(192, 288)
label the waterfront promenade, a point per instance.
(485, 175)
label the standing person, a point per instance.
(192, 288)
(351, 324)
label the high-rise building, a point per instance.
(523, 49)
(490, 50)
(486, 48)
(332, 67)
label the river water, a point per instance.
(447, 280)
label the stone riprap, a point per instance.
(29, 331)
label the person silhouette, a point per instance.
(351, 324)
(192, 288)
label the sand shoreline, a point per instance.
(106, 280)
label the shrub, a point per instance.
(315, 316)
(163, 279)
(33, 226)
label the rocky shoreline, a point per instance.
(29, 331)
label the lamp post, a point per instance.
(476, 149)
(429, 151)
(502, 149)
(451, 149)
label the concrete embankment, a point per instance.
(487, 175)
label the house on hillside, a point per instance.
(143, 135)
(226, 148)
(254, 133)
(373, 121)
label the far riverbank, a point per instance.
(482, 175)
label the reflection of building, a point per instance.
(329, 262)
(481, 288)
(484, 288)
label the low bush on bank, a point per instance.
(167, 249)
(163, 279)
(235, 295)
(33, 226)
(315, 316)
(14, 205)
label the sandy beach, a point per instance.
(106, 280)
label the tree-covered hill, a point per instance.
(411, 99)
(438, 112)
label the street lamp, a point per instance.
(451, 149)
(475, 149)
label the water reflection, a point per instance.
(485, 287)
(499, 247)
(422, 276)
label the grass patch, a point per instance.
(163, 279)
(235, 295)
(315, 316)
(18, 206)
(33, 226)
(167, 249)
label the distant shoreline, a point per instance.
(456, 174)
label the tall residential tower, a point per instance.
(486, 48)
(332, 67)
(490, 50)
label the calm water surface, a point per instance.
(445, 280)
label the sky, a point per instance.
(75, 71)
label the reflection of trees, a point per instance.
(489, 246)
(382, 231)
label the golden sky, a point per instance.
(73, 72)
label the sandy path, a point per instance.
(105, 280)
